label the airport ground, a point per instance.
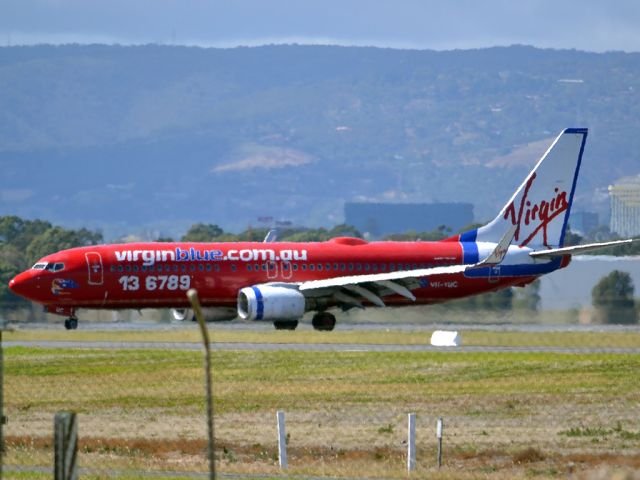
(524, 401)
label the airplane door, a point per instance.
(272, 270)
(286, 270)
(94, 264)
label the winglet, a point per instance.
(498, 253)
(272, 236)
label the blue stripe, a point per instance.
(469, 236)
(526, 270)
(583, 132)
(260, 312)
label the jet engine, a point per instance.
(270, 303)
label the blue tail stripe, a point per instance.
(469, 246)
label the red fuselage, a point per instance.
(157, 275)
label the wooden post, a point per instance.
(411, 443)
(192, 295)
(65, 427)
(282, 440)
(3, 419)
(439, 428)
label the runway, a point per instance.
(317, 347)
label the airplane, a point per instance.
(281, 281)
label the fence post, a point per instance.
(282, 441)
(65, 427)
(439, 428)
(192, 295)
(411, 443)
(3, 419)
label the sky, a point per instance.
(591, 25)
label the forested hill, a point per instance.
(158, 135)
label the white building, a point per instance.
(625, 207)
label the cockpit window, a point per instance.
(54, 267)
(40, 266)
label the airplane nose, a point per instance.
(19, 284)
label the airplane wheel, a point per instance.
(324, 321)
(71, 323)
(285, 324)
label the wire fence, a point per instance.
(514, 404)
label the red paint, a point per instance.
(542, 213)
(108, 277)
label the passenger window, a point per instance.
(135, 268)
(113, 268)
(383, 267)
(183, 268)
(217, 267)
(285, 266)
(343, 267)
(295, 267)
(304, 266)
(374, 267)
(233, 268)
(358, 266)
(119, 268)
(249, 268)
(312, 266)
(175, 268)
(208, 267)
(319, 266)
(367, 267)
(327, 266)
(201, 267)
(335, 266)
(351, 266)
(128, 268)
(192, 268)
(144, 268)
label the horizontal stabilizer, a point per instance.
(558, 252)
(501, 249)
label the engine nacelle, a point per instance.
(270, 302)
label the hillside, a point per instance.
(162, 137)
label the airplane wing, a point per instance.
(558, 252)
(348, 290)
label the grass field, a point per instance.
(506, 415)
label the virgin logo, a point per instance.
(540, 215)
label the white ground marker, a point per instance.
(282, 440)
(411, 442)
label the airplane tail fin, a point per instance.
(539, 209)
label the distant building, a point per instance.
(380, 219)
(625, 207)
(583, 222)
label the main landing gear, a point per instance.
(324, 321)
(285, 324)
(71, 323)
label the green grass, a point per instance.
(253, 380)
